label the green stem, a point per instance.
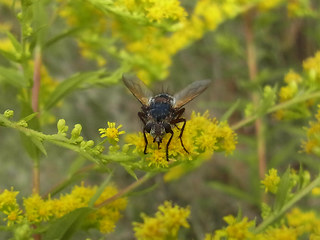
(288, 205)
(126, 190)
(278, 107)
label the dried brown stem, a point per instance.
(253, 69)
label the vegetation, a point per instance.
(72, 161)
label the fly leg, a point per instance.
(143, 116)
(177, 115)
(177, 120)
(168, 143)
(145, 140)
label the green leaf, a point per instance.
(38, 143)
(16, 44)
(9, 55)
(76, 165)
(12, 77)
(30, 117)
(64, 227)
(233, 191)
(69, 85)
(30, 147)
(33, 123)
(144, 191)
(130, 171)
(283, 191)
(100, 191)
(61, 36)
(228, 113)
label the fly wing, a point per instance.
(190, 92)
(138, 89)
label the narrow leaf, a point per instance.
(64, 227)
(283, 191)
(38, 143)
(30, 117)
(69, 85)
(16, 44)
(131, 172)
(12, 77)
(228, 113)
(61, 36)
(100, 191)
(233, 192)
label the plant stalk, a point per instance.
(252, 67)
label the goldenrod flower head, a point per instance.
(236, 230)
(112, 132)
(37, 210)
(210, 12)
(304, 222)
(316, 191)
(282, 232)
(165, 9)
(165, 225)
(312, 145)
(202, 136)
(267, 5)
(271, 181)
(13, 216)
(292, 76)
(287, 92)
(312, 66)
(8, 199)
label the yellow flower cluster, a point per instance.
(312, 145)
(38, 210)
(236, 230)
(10, 207)
(165, 225)
(271, 181)
(297, 83)
(312, 67)
(296, 224)
(152, 31)
(202, 136)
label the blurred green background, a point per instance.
(281, 42)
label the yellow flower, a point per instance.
(313, 136)
(316, 191)
(13, 216)
(304, 222)
(271, 181)
(111, 132)
(38, 210)
(238, 230)
(287, 92)
(267, 5)
(282, 232)
(292, 76)
(165, 225)
(165, 9)
(312, 66)
(8, 199)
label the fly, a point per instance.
(159, 113)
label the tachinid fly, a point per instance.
(159, 113)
